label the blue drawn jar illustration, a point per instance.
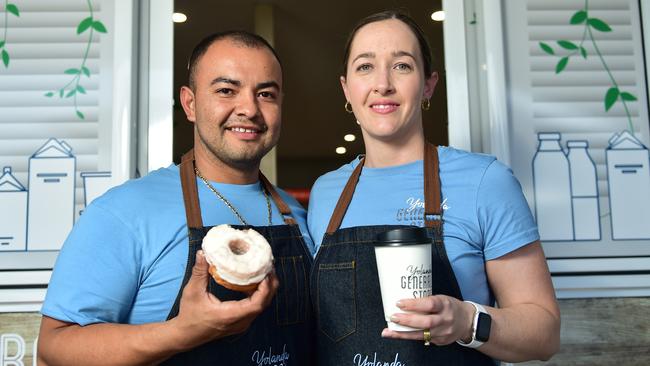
(628, 178)
(584, 192)
(552, 186)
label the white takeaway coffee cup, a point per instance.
(404, 267)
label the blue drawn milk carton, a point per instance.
(95, 184)
(51, 195)
(13, 204)
(584, 191)
(552, 187)
(629, 187)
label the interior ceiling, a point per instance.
(309, 37)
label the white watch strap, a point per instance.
(478, 308)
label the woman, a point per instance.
(487, 249)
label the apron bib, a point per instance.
(346, 295)
(283, 333)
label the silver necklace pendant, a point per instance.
(230, 206)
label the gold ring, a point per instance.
(427, 337)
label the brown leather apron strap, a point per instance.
(190, 191)
(279, 202)
(344, 199)
(432, 210)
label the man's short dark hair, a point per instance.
(240, 37)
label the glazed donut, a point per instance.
(239, 259)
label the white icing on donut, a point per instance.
(241, 257)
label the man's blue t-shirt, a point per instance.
(125, 258)
(485, 213)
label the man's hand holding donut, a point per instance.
(202, 317)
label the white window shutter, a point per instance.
(547, 97)
(53, 48)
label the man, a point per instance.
(118, 293)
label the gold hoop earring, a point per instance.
(426, 104)
(348, 107)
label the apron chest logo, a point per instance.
(262, 358)
(365, 360)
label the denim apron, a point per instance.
(346, 295)
(283, 333)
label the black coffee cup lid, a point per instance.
(403, 236)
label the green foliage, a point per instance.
(5, 58)
(73, 88)
(567, 45)
(599, 25)
(99, 26)
(546, 48)
(628, 97)
(610, 97)
(579, 17)
(561, 65)
(84, 25)
(13, 9)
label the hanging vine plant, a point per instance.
(9, 9)
(590, 24)
(88, 25)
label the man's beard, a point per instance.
(244, 159)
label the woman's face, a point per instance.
(385, 81)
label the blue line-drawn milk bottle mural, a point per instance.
(13, 205)
(552, 187)
(628, 177)
(95, 184)
(51, 195)
(584, 192)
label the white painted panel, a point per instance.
(42, 44)
(572, 104)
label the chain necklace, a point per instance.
(229, 205)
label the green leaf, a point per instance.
(71, 93)
(611, 97)
(49, 94)
(98, 26)
(546, 48)
(2, 44)
(583, 52)
(61, 93)
(71, 71)
(579, 17)
(628, 96)
(598, 24)
(80, 115)
(81, 89)
(85, 70)
(5, 58)
(13, 9)
(567, 45)
(561, 64)
(85, 24)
